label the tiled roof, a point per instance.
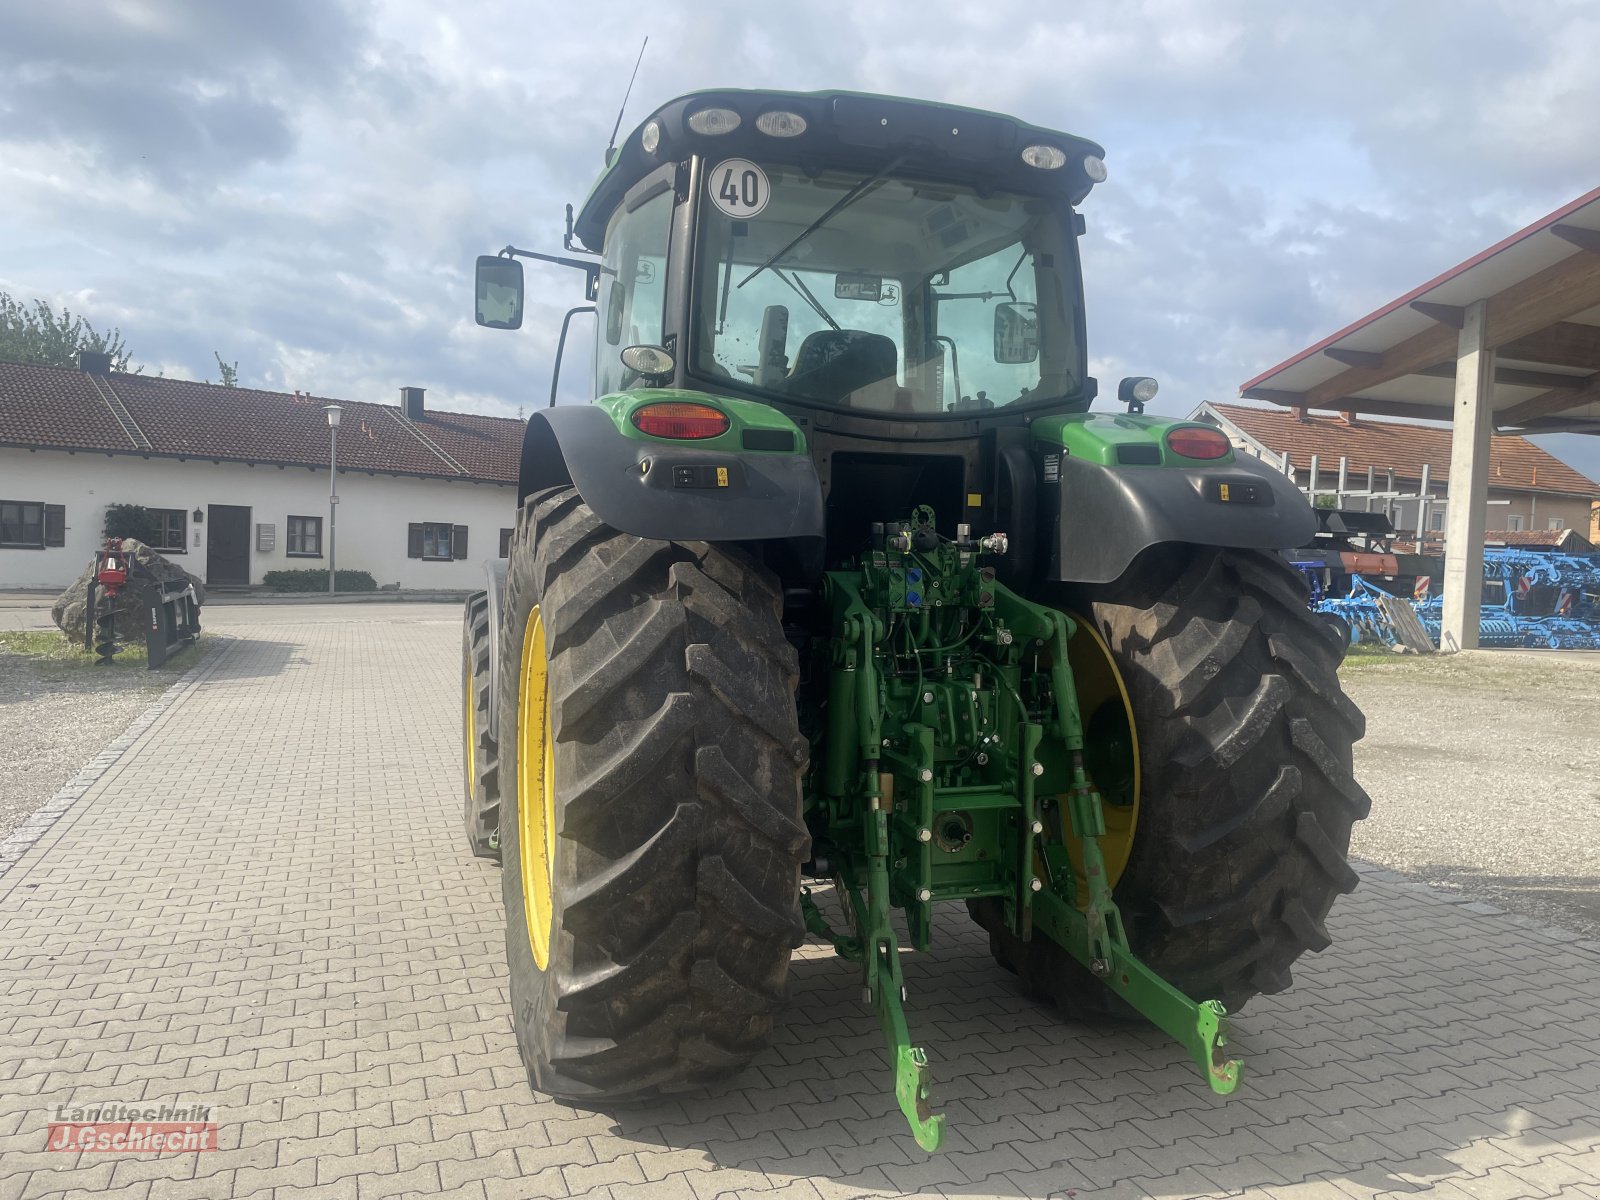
(1514, 462)
(65, 409)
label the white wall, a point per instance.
(373, 514)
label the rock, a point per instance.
(144, 565)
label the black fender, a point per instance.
(1103, 517)
(668, 490)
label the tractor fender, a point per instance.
(669, 491)
(494, 570)
(1103, 516)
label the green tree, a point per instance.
(230, 371)
(34, 333)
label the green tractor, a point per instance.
(839, 597)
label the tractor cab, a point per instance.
(838, 252)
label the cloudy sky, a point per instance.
(302, 185)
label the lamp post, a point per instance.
(334, 413)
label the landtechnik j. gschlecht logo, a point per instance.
(113, 1127)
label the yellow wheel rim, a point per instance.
(1111, 751)
(535, 790)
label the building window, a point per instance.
(505, 543)
(436, 540)
(170, 529)
(25, 525)
(1436, 520)
(1514, 523)
(1558, 523)
(305, 537)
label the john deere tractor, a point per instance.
(840, 604)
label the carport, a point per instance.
(1506, 342)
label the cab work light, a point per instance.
(714, 121)
(781, 124)
(680, 421)
(1046, 158)
(1192, 441)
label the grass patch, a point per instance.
(1375, 656)
(54, 647)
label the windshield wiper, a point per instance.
(804, 293)
(839, 206)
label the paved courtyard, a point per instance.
(264, 904)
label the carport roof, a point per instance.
(1542, 285)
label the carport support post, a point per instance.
(1469, 482)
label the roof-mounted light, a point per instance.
(1094, 167)
(714, 122)
(780, 124)
(650, 138)
(1046, 158)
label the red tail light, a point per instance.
(1195, 441)
(680, 421)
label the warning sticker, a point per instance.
(739, 187)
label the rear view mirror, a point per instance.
(1016, 333)
(854, 285)
(498, 292)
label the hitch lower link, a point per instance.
(885, 990)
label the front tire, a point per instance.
(480, 766)
(667, 868)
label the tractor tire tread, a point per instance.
(1231, 879)
(678, 807)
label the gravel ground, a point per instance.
(57, 715)
(1484, 771)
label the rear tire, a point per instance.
(1247, 799)
(674, 891)
(480, 766)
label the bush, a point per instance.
(131, 521)
(317, 581)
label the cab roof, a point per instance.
(847, 130)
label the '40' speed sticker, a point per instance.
(739, 187)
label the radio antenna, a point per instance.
(611, 146)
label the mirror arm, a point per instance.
(591, 270)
